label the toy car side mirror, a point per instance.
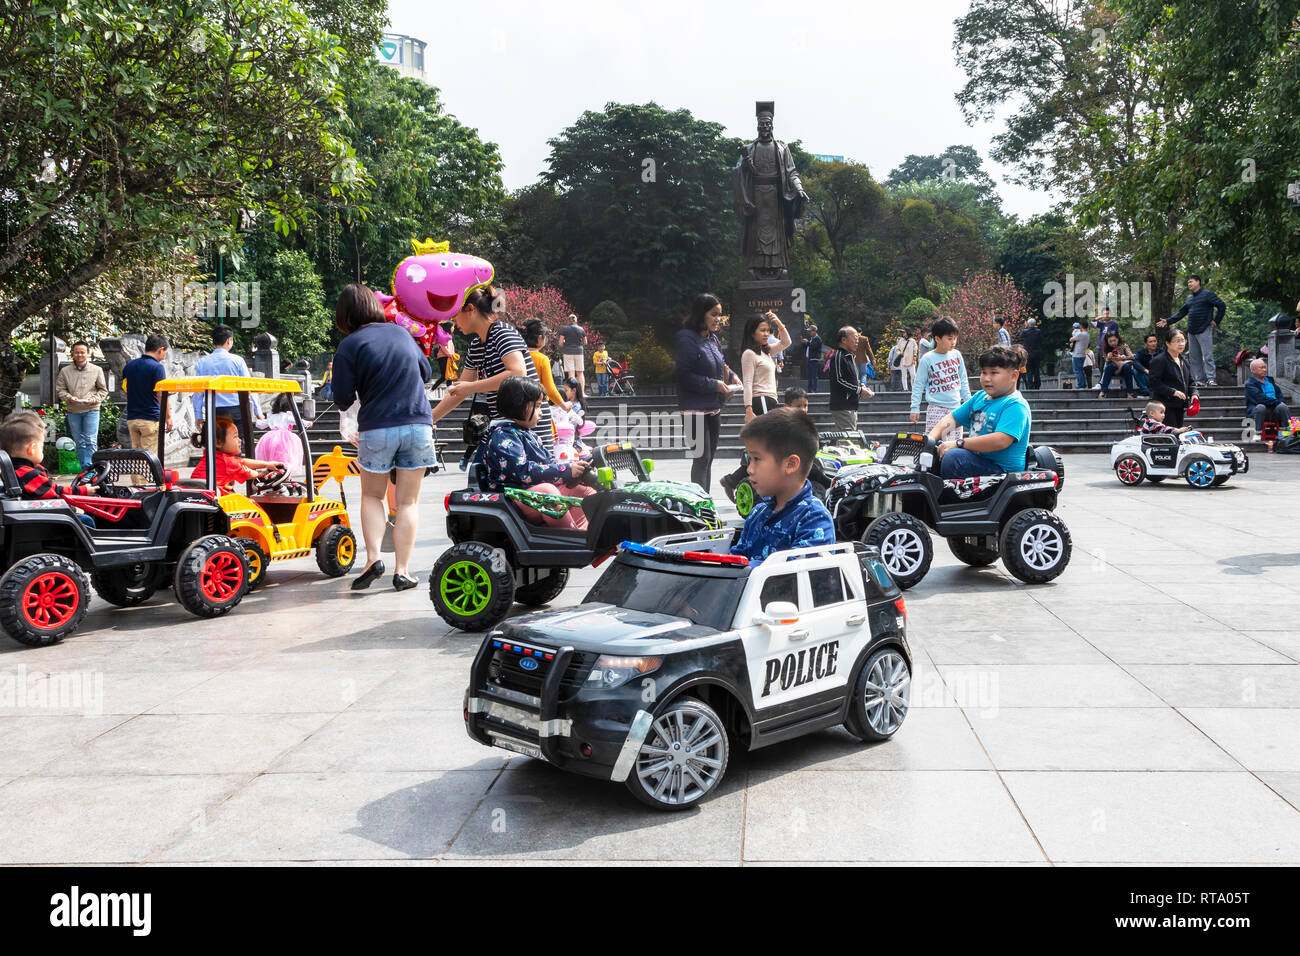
(648, 464)
(778, 612)
(605, 477)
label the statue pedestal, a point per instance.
(763, 295)
(1282, 356)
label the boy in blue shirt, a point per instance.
(782, 445)
(998, 418)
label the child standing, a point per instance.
(781, 446)
(512, 456)
(230, 468)
(281, 443)
(941, 378)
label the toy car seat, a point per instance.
(9, 477)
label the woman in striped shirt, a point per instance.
(496, 352)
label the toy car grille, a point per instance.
(504, 670)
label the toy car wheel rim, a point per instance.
(902, 552)
(1042, 547)
(50, 601)
(254, 564)
(681, 760)
(1200, 473)
(222, 577)
(1129, 470)
(346, 549)
(744, 498)
(888, 691)
(465, 588)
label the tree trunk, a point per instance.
(12, 370)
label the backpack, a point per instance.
(893, 359)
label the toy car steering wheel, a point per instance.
(271, 482)
(94, 475)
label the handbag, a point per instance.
(871, 369)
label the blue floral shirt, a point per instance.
(513, 457)
(803, 522)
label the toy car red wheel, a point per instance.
(211, 576)
(42, 599)
(1130, 470)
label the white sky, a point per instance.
(872, 82)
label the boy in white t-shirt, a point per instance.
(941, 378)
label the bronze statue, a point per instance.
(769, 198)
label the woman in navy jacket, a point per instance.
(702, 384)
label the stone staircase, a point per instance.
(1070, 421)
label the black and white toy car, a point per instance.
(1202, 461)
(681, 652)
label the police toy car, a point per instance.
(682, 651)
(1202, 461)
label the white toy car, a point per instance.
(1202, 461)
(682, 651)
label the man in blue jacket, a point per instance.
(1204, 311)
(1263, 398)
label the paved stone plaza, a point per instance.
(1143, 708)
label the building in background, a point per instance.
(404, 54)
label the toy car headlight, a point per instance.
(616, 671)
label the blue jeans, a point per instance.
(1109, 373)
(961, 463)
(602, 382)
(1080, 382)
(84, 430)
(1140, 378)
(406, 447)
(814, 365)
(863, 377)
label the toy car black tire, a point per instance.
(881, 695)
(671, 787)
(976, 555)
(1220, 480)
(336, 550)
(543, 590)
(1156, 479)
(258, 560)
(43, 599)
(1199, 472)
(905, 546)
(1130, 470)
(128, 585)
(211, 576)
(1044, 536)
(472, 586)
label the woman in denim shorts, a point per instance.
(380, 364)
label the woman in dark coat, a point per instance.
(702, 384)
(1171, 379)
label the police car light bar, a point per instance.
(704, 557)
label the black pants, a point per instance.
(1032, 377)
(1174, 411)
(701, 434)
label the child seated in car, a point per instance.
(1154, 421)
(22, 436)
(781, 446)
(230, 468)
(512, 457)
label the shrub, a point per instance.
(919, 311)
(651, 363)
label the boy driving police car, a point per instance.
(782, 446)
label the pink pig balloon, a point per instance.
(430, 287)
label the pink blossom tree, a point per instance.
(975, 303)
(544, 302)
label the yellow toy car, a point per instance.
(277, 518)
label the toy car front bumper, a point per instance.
(597, 734)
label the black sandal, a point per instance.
(402, 583)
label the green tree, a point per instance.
(134, 125)
(645, 217)
(1041, 250)
(956, 164)
(293, 305)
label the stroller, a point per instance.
(621, 381)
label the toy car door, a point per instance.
(793, 659)
(1162, 450)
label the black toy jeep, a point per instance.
(894, 504)
(149, 535)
